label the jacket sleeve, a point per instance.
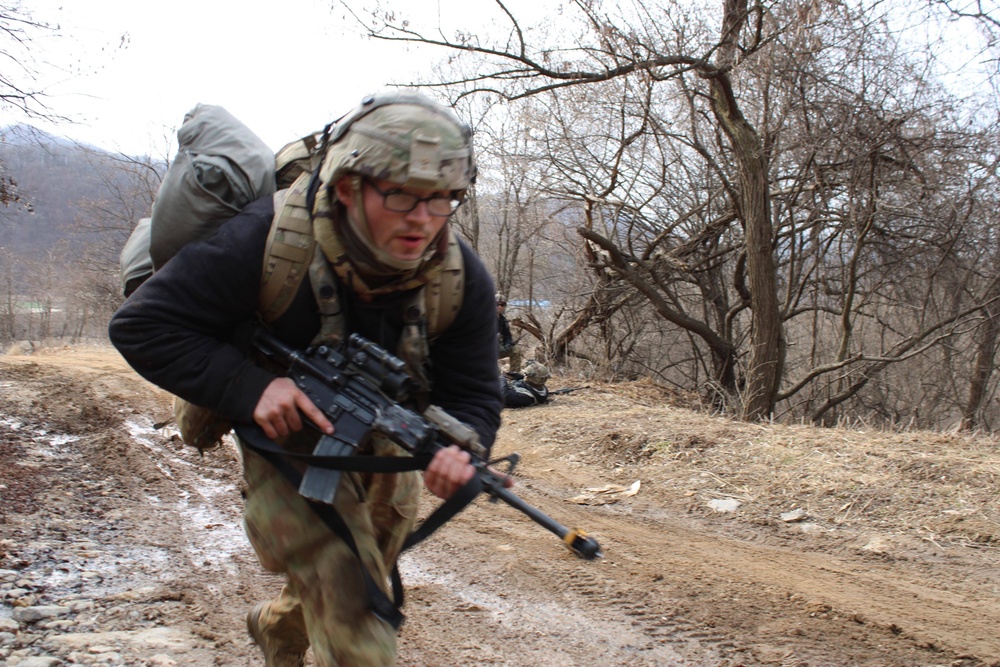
(464, 367)
(515, 395)
(179, 330)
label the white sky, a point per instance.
(131, 97)
(285, 68)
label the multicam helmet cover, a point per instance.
(536, 373)
(401, 137)
(405, 138)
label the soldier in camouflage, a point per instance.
(392, 173)
(506, 347)
(519, 390)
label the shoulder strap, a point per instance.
(325, 290)
(295, 159)
(443, 295)
(288, 252)
(291, 252)
(429, 313)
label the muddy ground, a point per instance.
(725, 543)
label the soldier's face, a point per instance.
(403, 235)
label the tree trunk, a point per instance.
(983, 371)
(767, 348)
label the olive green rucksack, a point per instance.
(136, 263)
(221, 166)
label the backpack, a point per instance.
(221, 166)
(136, 264)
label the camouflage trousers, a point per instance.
(514, 356)
(324, 603)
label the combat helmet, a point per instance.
(536, 373)
(402, 137)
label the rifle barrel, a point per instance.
(568, 390)
(577, 541)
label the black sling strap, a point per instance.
(384, 608)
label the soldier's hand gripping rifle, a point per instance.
(359, 388)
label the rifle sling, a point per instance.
(252, 436)
(445, 511)
(385, 609)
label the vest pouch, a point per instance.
(200, 427)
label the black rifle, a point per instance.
(359, 388)
(567, 390)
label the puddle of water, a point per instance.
(103, 572)
(51, 445)
(212, 537)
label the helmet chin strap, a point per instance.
(359, 224)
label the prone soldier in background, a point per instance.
(521, 390)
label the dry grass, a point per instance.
(937, 487)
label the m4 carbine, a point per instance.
(567, 390)
(359, 388)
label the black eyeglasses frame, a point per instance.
(396, 207)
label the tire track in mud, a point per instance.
(762, 604)
(526, 582)
(660, 618)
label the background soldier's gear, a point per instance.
(536, 373)
(517, 392)
(506, 347)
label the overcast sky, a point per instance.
(284, 68)
(127, 71)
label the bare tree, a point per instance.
(617, 52)
(792, 173)
(17, 79)
(126, 186)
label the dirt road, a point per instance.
(740, 544)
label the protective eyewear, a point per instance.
(403, 202)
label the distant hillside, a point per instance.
(73, 190)
(25, 135)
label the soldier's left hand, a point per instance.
(449, 470)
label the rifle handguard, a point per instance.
(461, 434)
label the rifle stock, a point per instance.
(359, 388)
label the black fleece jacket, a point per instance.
(182, 329)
